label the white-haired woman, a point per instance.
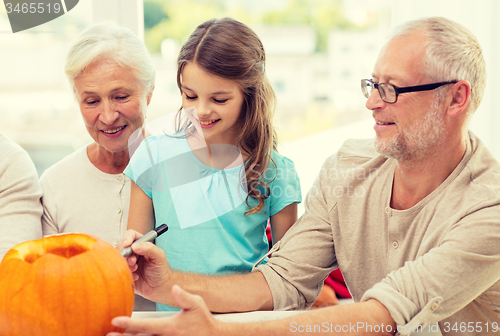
(112, 76)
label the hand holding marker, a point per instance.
(148, 237)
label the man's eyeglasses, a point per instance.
(389, 93)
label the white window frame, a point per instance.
(127, 13)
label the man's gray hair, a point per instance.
(108, 42)
(452, 53)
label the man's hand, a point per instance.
(194, 319)
(154, 280)
(149, 267)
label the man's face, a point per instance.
(410, 128)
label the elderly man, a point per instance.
(412, 219)
(20, 192)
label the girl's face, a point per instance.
(217, 100)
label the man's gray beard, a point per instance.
(416, 143)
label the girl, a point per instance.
(219, 180)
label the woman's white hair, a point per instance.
(108, 42)
(452, 53)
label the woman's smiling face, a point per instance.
(217, 100)
(113, 104)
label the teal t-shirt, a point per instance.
(204, 208)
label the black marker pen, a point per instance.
(148, 237)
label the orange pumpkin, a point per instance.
(68, 284)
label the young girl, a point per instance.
(219, 180)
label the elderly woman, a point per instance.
(112, 77)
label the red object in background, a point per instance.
(269, 235)
(335, 279)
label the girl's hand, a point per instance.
(326, 298)
(194, 319)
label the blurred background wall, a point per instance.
(317, 51)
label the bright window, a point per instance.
(317, 51)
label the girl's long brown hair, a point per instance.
(228, 48)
